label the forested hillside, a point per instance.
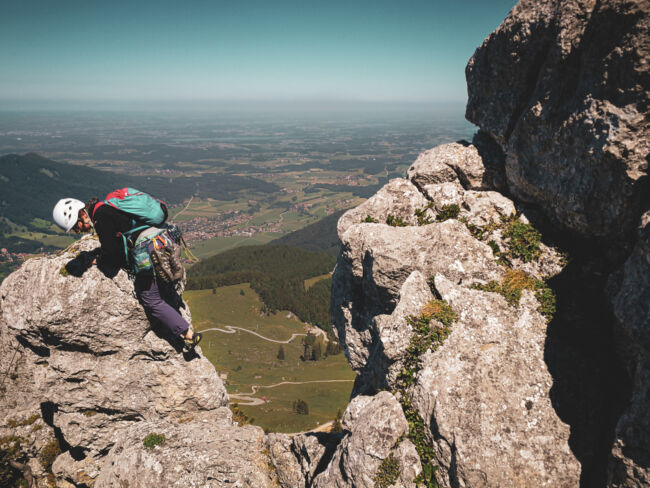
(30, 185)
(319, 236)
(277, 274)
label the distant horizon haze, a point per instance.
(202, 106)
(74, 53)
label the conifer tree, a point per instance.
(337, 427)
(316, 351)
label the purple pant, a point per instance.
(156, 303)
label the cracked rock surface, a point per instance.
(571, 118)
(88, 363)
(485, 394)
(211, 453)
(373, 427)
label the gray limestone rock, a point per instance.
(482, 207)
(213, 453)
(376, 260)
(477, 166)
(441, 194)
(89, 361)
(373, 426)
(494, 357)
(394, 333)
(484, 394)
(409, 461)
(311, 449)
(399, 198)
(431, 168)
(299, 458)
(287, 466)
(570, 112)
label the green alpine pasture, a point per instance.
(249, 360)
(323, 400)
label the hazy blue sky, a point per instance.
(376, 50)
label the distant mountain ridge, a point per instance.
(31, 184)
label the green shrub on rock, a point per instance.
(387, 473)
(394, 221)
(153, 440)
(512, 285)
(448, 212)
(524, 240)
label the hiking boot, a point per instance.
(194, 341)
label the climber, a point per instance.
(109, 223)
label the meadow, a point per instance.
(246, 359)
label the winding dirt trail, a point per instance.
(231, 329)
(246, 398)
(258, 401)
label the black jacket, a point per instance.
(109, 222)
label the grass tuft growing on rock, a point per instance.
(495, 248)
(547, 301)
(512, 285)
(427, 477)
(524, 240)
(370, 220)
(395, 221)
(430, 330)
(388, 472)
(441, 311)
(153, 440)
(22, 423)
(48, 454)
(448, 212)
(421, 215)
(426, 335)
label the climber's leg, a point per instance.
(148, 294)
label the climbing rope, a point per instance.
(190, 256)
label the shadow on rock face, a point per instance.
(48, 409)
(589, 391)
(83, 261)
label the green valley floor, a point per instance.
(244, 345)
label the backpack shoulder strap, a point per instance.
(97, 205)
(125, 242)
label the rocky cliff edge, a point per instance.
(494, 303)
(95, 395)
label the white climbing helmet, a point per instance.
(66, 212)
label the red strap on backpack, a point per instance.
(119, 194)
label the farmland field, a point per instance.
(249, 360)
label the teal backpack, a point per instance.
(146, 211)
